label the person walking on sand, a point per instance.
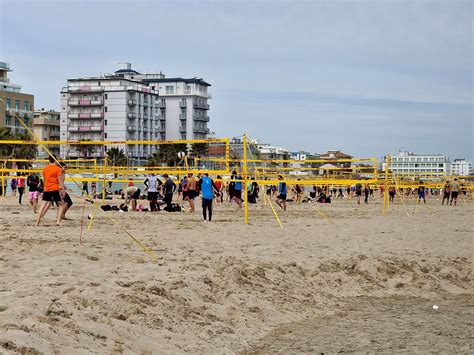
(208, 188)
(455, 189)
(85, 188)
(191, 191)
(13, 186)
(282, 193)
(421, 193)
(446, 192)
(391, 194)
(53, 190)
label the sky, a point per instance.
(367, 77)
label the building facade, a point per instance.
(461, 167)
(128, 105)
(14, 103)
(46, 127)
(429, 165)
(300, 166)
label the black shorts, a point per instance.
(454, 194)
(67, 200)
(136, 195)
(237, 194)
(192, 194)
(282, 197)
(152, 195)
(52, 196)
(391, 193)
(358, 193)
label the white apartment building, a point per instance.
(461, 167)
(183, 105)
(127, 105)
(46, 126)
(434, 166)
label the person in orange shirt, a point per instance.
(54, 190)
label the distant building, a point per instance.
(336, 154)
(46, 127)
(302, 168)
(14, 103)
(461, 167)
(428, 165)
(128, 106)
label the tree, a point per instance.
(167, 154)
(17, 151)
(116, 157)
(199, 150)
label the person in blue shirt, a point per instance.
(235, 189)
(281, 198)
(208, 188)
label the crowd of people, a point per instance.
(50, 188)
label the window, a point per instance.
(105, 109)
(105, 96)
(17, 123)
(105, 122)
(169, 89)
(26, 106)
(105, 135)
(183, 136)
(17, 104)
(9, 104)
(8, 121)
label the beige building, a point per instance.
(14, 103)
(47, 128)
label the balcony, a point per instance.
(131, 102)
(183, 104)
(182, 129)
(161, 118)
(145, 130)
(85, 128)
(182, 117)
(85, 88)
(131, 128)
(85, 115)
(201, 130)
(86, 102)
(146, 104)
(201, 105)
(161, 104)
(145, 116)
(131, 115)
(162, 129)
(201, 118)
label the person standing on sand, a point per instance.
(366, 194)
(169, 188)
(191, 191)
(446, 192)
(455, 189)
(282, 193)
(85, 188)
(358, 192)
(421, 193)
(21, 187)
(13, 186)
(53, 190)
(33, 183)
(391, 194)
(236, 188)
(207, 187)
(152, 184)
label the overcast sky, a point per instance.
(366, 77)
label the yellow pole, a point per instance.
(246, 202)
(273, 209)
(385, 193)
(103, 180)
(4, 193)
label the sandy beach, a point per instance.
(366, 283)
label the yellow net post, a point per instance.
(385, 192)
(103, 180)
(4, 193)
(274, 212)
(246, 202)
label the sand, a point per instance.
(365, 284)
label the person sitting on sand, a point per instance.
(54, 190)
